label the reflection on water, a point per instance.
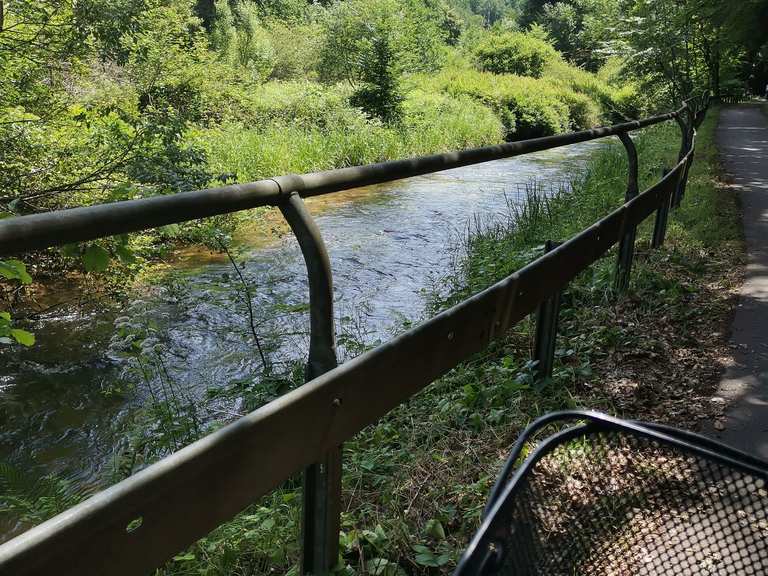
(387, 243)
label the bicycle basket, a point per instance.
(613, 498)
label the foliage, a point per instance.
(514, 53)
(434, 121)
(379, 92)
(308, 127)
(370, 43)
(581, 29)
(415, 36)
(528, 107)
(240, 39)
(33, 500)
(692, 45)
(14, 270)
(295, 50)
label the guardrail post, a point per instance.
(627, 243)
(546, 328)
(662, 215)
(321, 514)
(686, 137)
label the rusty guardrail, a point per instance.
(179, 499)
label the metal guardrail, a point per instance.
(184, 496)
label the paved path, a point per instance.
(742, 138)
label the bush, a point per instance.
(379, 94)
(583, 112)
(629, 103)
(514, 53)
(305, 127)
(240, 39)
(415, 39)
(583, 82)
(296, 50)
(528, 107)
(436, 122)
(300, 102)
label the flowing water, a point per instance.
(64, 405)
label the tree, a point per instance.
(379, 94)
(580, 29)
(370, 43)
(92, 100)
(680, 44)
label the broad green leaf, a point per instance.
(426, 559)
(70, 250)
(14, 270)
(268, 524)
(23, 337)
(95, 258)
(125, 254)
(435, 530)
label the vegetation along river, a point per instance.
(68, 403)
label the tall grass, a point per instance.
(318, 131)
(493, 250)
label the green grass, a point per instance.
(415, 482)
(303, 128)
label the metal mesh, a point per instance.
(615, 503)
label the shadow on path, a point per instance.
(742, 138)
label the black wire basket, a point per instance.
(606, 497)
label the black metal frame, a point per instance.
(483, 553)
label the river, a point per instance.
(65, 402)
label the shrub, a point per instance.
(300, 102)
(240, 39)
(514, 53)
(414, 38)
(528, 107)
(583, 112)
(583, 82)
(379, 95)
(306, 127)
(630, 104)
(296, 50)
(436, 122)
